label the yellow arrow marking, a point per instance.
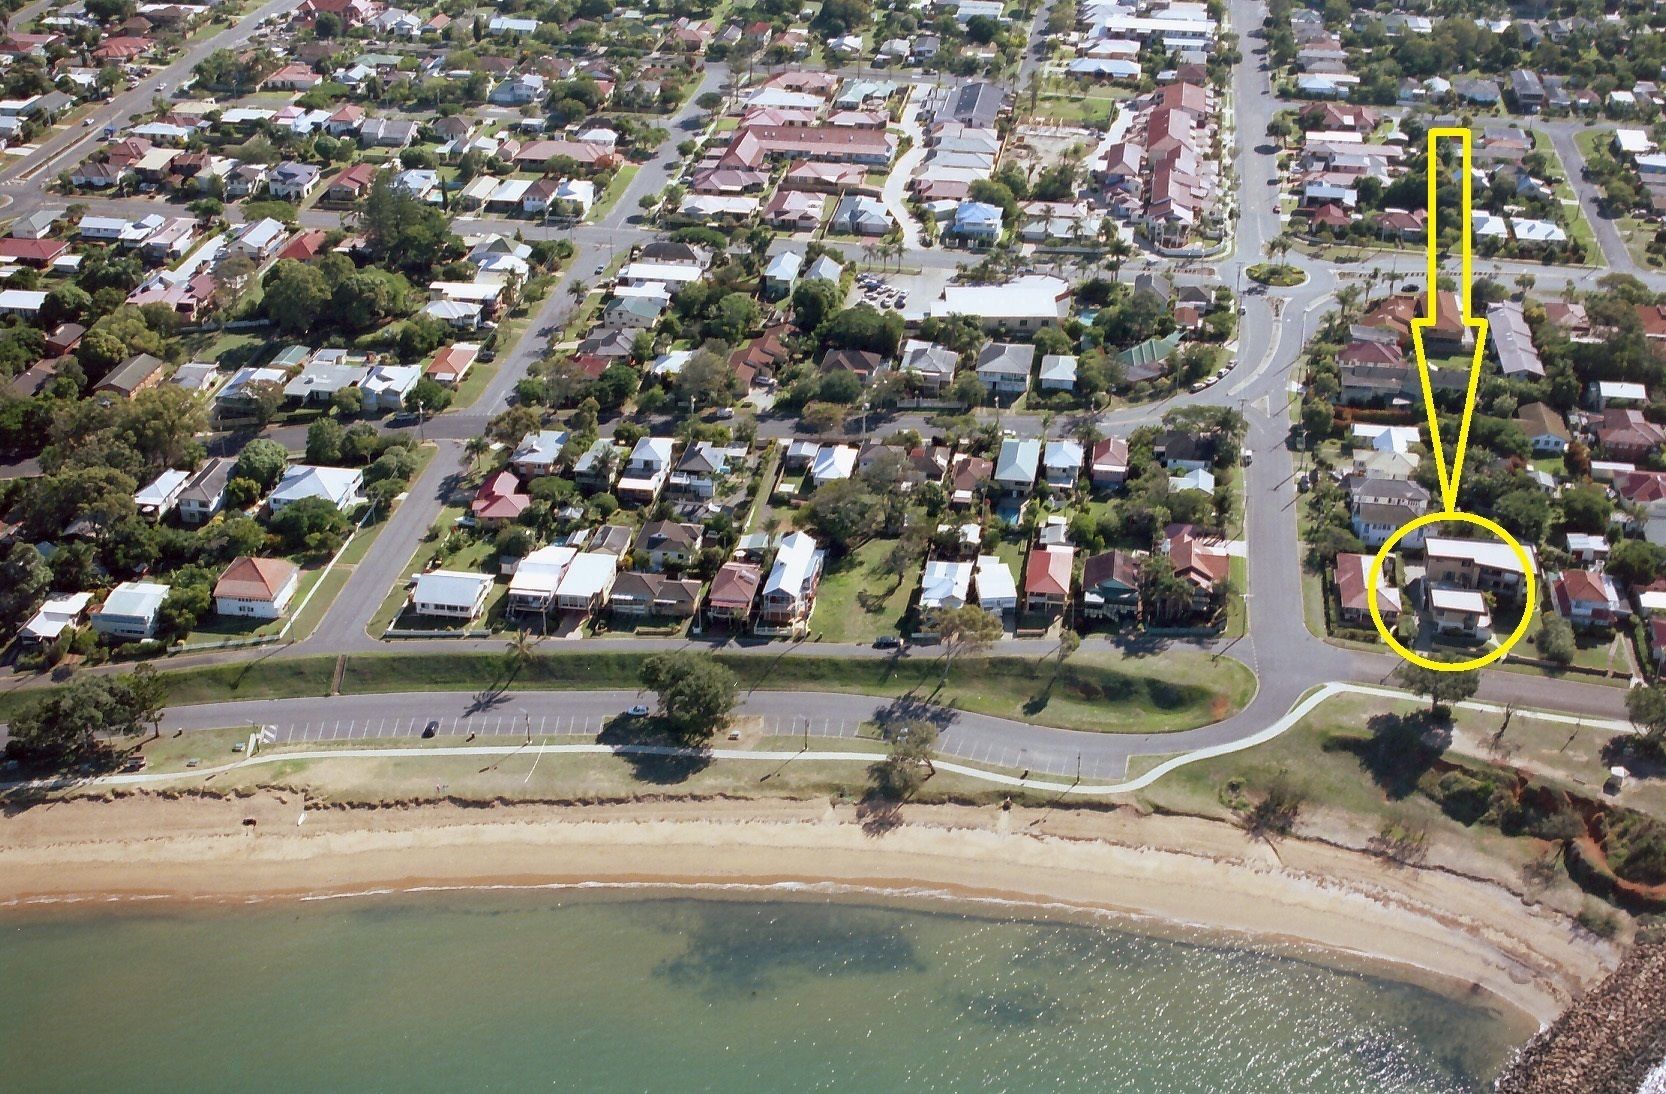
(1449, 473)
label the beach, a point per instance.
(1427, 924)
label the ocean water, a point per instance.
(569, 990)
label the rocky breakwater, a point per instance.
(1607, 1042)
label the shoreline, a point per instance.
(1142, 872)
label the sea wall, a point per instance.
(1606, 1042)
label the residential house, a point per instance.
(499, 500)
(258, 588)
(204, 493)
(782, 273)
(994, 585)
(385, 386)
(588, 580)
(733, 592)
(1202, 564)
(1483, 564)
(858, 214)
(639, 595)
(670, 543)
(340, 486)
(1545, 428)
(1588, 599)
(1108, 468)
(1048, 577)
(1626, 435)
(929, 365)
(1352, 574)
(1459, 612)
(138, 373)
(646, 470)
(1111, 585)
(832, 462)
(293, 181)
(1016, 466)
(55, 615)
(1057, 373)
(452, 363)
(258, 241)
(157, 498)
(350, 185)
(533, 584)
(450, 594)
(945, 585)
(1182, 450)
(701, 468)
(968, 475)
(1004, 368)
(130, 611)
(1512, 341)
(538, 453)
(1380, 506)
(789, 595)
(1061, 464)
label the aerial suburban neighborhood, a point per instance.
(1027, 399)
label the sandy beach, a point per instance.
(1469, 933)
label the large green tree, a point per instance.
(402, 230)
(296, 296)
(261, 461)
(696, 694)
(1440, 687)
(24, 580)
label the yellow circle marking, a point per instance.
(1530, 603)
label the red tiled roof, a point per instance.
(1047, 571)
(255, 578)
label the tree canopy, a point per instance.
(696, 694)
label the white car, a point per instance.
(638, 711)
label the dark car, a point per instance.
(887, 642)
(430, 729)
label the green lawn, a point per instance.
(530, 776)
(857, 603)
(232, 349)
(480, 375)
(615, 190)
(1102, 691)
(1551, 465)
(323, 596)
(1321, 754)
(1083, 110)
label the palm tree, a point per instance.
(578, 290)
(1346, 298)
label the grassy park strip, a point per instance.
(1098, 692)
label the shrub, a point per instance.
(1463, 798)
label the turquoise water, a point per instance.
(574, 991)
